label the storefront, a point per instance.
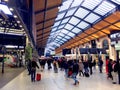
(115, 42)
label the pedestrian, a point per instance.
(33, 69)
(75, 72)
(29, 66)
(115, 72)
(81, 67)
(100, 64)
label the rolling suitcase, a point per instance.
(38, 77)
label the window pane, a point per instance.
(64, 31)
(54, 28)
(69, 27)
(83, 25)
(61, 26)
(76, 30)
(65, 20)
(91, 18)
(91, 4)
(64, 39)
(62, 34)
(76, 3)
(71, 34)
(116, 1)
(70, 12)
(60, 16)
(81, 13)
(74, 21)
(67, 37)
(65, 5)
(104, 8)
(56, 24)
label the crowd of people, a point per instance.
(72, 68)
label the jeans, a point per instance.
(66, 73)
(74, 75)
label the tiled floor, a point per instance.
(57, 81)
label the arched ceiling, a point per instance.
(69, 23)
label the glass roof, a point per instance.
(76, 16)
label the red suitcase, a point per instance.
(38, 77)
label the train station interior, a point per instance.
(59, 35)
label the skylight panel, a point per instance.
(70, 12)
(54, 29)
(83, 25)
(81, 13)
(64, 39)
(76, 30)
(65, 20)
(67, 37)
(65, 5)
(91, 18)
(76, 3)
(91, 4)
(60, 16)
(116, 1)
(62, 34)
(61, 26)
(56, 23)
(104, 8)
(59, 37)
(74, 21)
(71, 34)
(64, 31)
(69, 27)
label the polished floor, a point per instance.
(57, 81)
(9, 74)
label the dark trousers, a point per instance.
(81, 72)
(33, 75)
(91, 71)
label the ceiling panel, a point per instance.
(82, 35)
(52, 13)
(117, 24)
(91, 30)
(39, 27)
(39, 5)
(100, 25)
(114, 17)
(39, 17)
(53, 3)
(49, 23)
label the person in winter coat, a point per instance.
(33, 69)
